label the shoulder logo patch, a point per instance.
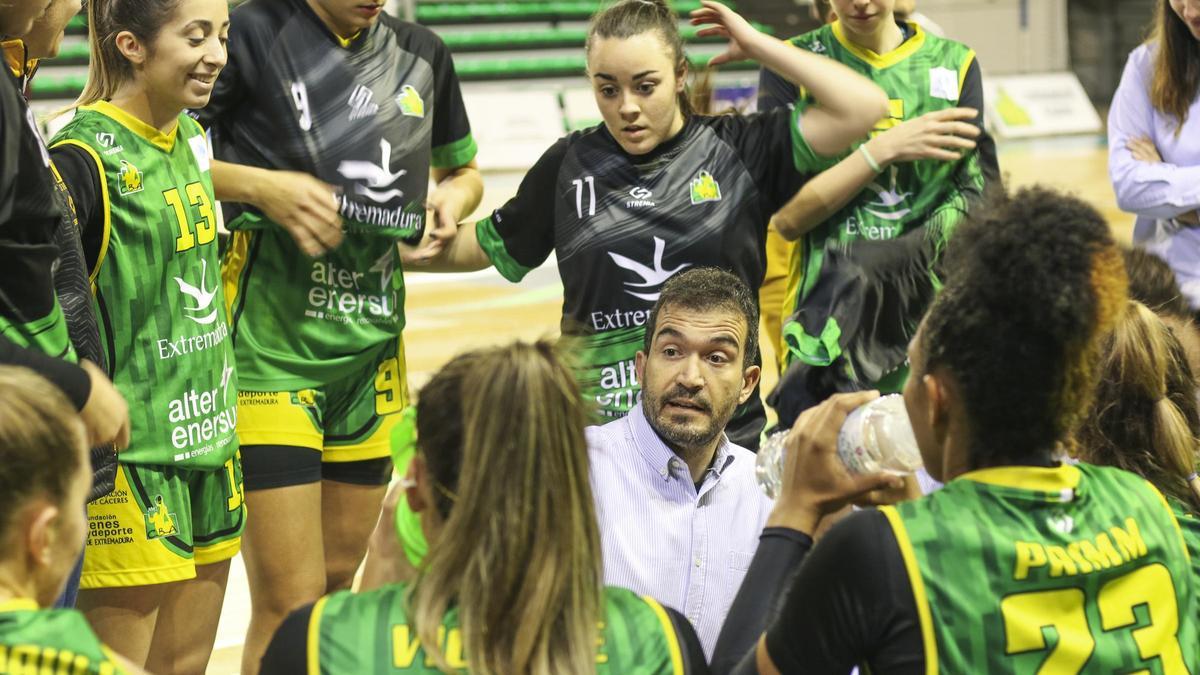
(705, 188)
(129, 179)
(106, 139)
(410, 102)
(943, 84)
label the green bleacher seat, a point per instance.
(559, 66)
(49, 85)
(545, 38)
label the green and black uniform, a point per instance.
(860, 281)
(969, 579)
(620, 225)
(34, 640)
(371, 633)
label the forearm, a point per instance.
(463, 253)
(857, 102)
(780, 552)
(238, 182)
(823, 196)
(1154, 189)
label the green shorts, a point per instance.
(160, 522)
(349, 420)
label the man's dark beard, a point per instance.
(685, 440)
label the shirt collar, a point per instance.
(656, 453)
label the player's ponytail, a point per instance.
(1145, 417)
(502, 434)
(628, 18)
(108, 68)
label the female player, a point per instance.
(325, 96)
(965, 578)
(1153, 159)
(915, 172)
(138, 171)
(512, 581)
(656, 189)
(1145, 418)
(44, 481)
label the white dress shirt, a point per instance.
(687, 548)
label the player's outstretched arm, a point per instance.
(456, 196)
(941, 135)
(462, 253)
(848, 105)
(303, 205)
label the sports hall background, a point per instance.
(1050, 68)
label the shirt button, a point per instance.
(698, 561)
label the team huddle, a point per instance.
(587, 505)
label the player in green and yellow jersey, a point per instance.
(138, 170)
(1145, 418)
(512, 580)
(44, 481)
(1020, 564)
(873, 220)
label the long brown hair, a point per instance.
(108, 68)
(502, 434)
(1176, 67)
(627, 18)
(1145, 417)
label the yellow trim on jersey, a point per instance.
(314, 636)
(669, 631)
(232, 267)
(905, 50)
(962, 70)
(165, 142)
(345, 43)
(1174, 520)
(918, 587)
(1041, 479)
(106, 234)
(18, 605)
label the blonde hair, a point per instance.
(41, 440)
(502, 433)
(108, 68)
(1144, 417)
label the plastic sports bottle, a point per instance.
(875, 437)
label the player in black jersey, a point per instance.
(656, 189)
(322, 96)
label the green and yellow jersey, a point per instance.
(50, 641)
(156, 276)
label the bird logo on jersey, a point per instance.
(159, 521)
(129, 179)
(204, 298)
(889, 198)
(376, 176)
(410, 102)
(652, 277)
(705, 188)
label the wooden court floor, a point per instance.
(448, 314)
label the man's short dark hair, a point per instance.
(704, 289)
(1152, 282)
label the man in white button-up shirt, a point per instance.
(679, 510)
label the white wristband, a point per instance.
(870, 160)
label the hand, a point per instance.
(728, 24)
(1143, 150)
(942, 135)
(815, 482)
(105, 415)
(306, 207)
(444, 206)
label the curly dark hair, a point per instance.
(1034, 281)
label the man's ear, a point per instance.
(131, 48)
(639, 366)
(750, 378)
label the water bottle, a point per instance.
(875, 437)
